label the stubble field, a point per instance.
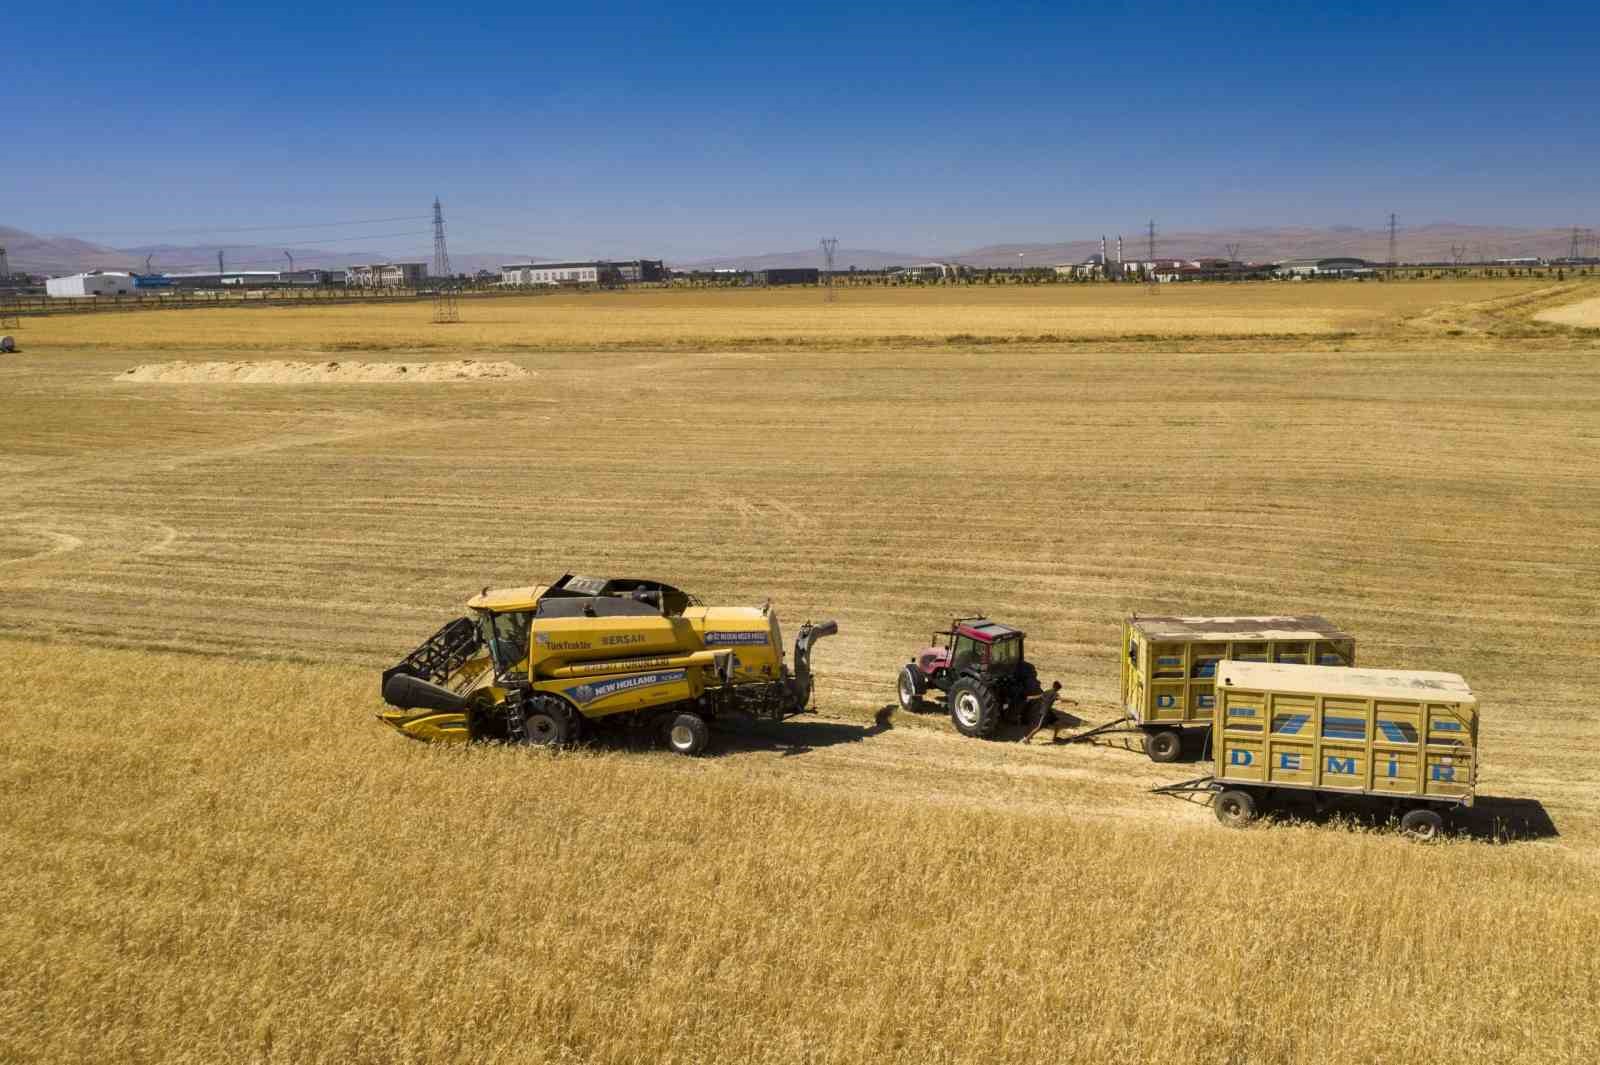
(1372, 314)
(216, 854)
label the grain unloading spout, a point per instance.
(801, 682)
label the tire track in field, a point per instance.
(170, 460)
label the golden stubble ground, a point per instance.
(215, 854)
(1460, 313)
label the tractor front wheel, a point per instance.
(974, 710)
(910, 687)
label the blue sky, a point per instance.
(689, 130)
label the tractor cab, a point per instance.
(979, 666)
(972, 646)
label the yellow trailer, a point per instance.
(1169, 665)
(1407, 736)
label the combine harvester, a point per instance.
(539, 664)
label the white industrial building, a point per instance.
(556, 273)
(1334, 266)
(387, 275)
(95, 283)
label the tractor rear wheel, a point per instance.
(973, 708)
(548, 722)
(686, 733)
(1235, 808)
(910, 687)
(1422, 824)
(1024, 691)
(1163, 746)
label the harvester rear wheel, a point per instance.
(1163, 746)
(686, 733)
(1423, 825)
(548, 722)
(973, 708)
(910, 687)
(1235, 808)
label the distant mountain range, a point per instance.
(843, 259)
(33, 254)
(1439, 242)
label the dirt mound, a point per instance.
(313, 373)
(1584, 314)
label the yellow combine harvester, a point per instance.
(533, 665)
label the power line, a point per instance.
(258, 262)
(828, 246)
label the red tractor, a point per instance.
(978, 665)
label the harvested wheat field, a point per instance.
(267, 372)
(218, 855)
(1461, 313)
(1584, 314)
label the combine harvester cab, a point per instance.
(537, 664)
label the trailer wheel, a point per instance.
(686, 733)
(910, 687)
(548, 723)
(973, 709)
(1422, 824)
(1163, 746)
(1235, 808)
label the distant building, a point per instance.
(594, 272)
(387, 275)
(931, 272)
(312, 277)
(95, 283)
(1334, 266)
(1092, 267)
(635, 270)
(803, 275)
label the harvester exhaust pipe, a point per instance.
(801, 682)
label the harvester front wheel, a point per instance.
(910, 687)
(1163, 746)
(974, 710)
(1235, 808)
(686, 733)
(548, 722)
(1423, 825)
